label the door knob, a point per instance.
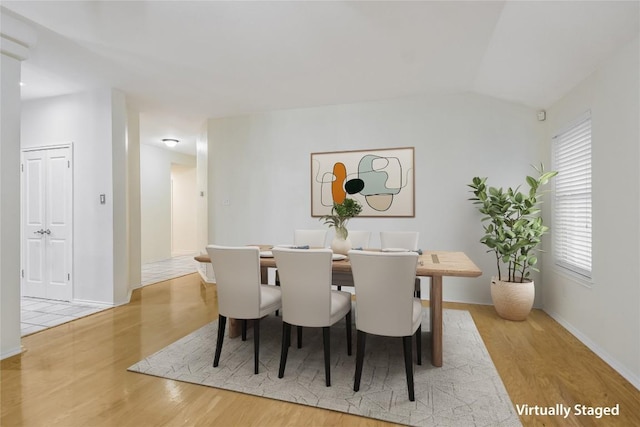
(39, 232)
(47, 231)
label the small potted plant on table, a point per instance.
(341, 213)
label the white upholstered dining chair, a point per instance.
(311, 238)
(308, 300)
(315, 238)
(407, 240)
(399, 240)
(359, 239)
(385, 305)
(241, 295)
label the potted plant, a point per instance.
(512, 231)
(341, 213)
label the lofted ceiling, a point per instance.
(181, 62)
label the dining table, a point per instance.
(431, 263)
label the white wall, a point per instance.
(9, 207)
(184, 210)
(155, 200)
(261, 164)
(120, 182)
(133, 198)
(155, 204)
(605, 313)
(95, 123)
(202, 162)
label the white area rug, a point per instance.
(466, 391)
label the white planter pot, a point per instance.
(513, 301)
(340, 245)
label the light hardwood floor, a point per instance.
(75, 374)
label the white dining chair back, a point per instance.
(359, 239)
(241, 295)
(311, 238)
(407, 240)
(384, 284)
(385, 304)
(308, 300)
(399, 240)
(305, 279)
(237, 272)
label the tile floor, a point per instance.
(168, 269)
(39, 314)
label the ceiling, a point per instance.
(181, 62)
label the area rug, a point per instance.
(465, 391)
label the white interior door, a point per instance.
(47, 223)
(33, 223)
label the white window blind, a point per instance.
(572, 202)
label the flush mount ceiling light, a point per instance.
(170, 142)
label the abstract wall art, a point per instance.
(381, 180)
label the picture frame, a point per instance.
(382, 180)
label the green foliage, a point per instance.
(340, 215)
(512, 225)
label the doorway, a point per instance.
(47, 222)
(184, 205)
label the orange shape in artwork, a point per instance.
(337, 186)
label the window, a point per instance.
(572, 202)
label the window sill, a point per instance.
(580, 279)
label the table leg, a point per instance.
(340, 278)
(235, 327)
(435, 307)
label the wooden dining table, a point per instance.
(433, 264)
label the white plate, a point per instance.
(339, 257)
(266, 254)
(395, 250)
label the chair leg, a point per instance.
(277, 280)
(361, 337)
(222, 323)
(326, 339)
(417, 291)
(256, 345)
(299, 329)
(419, 344)
(244, 329)
(348, 320)
(408, 365)
(286, 338)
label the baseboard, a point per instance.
(204, 278)
(103, 304)
(96, 303)
(11, 352)
(127, 300)
(601, 353)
